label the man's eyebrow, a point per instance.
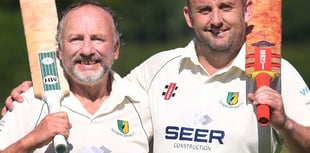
(73, 35)
(228, 3)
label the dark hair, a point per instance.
(243, 2)
(81, 3)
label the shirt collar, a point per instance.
(190, 54)
(122, 88)
(239, 61)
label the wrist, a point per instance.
(288, 126)
(26, 144)
(18, 147)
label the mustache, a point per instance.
(87, 59)
(215, 31)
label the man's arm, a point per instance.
(295, 136)
(51, 125)
(21, 146)
(15, 95)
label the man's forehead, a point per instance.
(214, 1)
(88, 14)
(88, 10)
(94, 21)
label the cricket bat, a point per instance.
(40, 26)
(263, 48)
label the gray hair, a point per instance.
(117, 33)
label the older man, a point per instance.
(102, 113)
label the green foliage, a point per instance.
(295, 20)
(9, 4)
(14, 62)
(297, 54)
(149, 21)
(133, 53)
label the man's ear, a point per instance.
(187, 15)
(117, 47)
(59, 54)
(248, 10)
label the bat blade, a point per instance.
(263, 48)
(40, 26)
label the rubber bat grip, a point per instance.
(53, 99)
(262, 110)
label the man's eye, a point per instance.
(98, 40)
(205, 10)
(75, 39)
(226, 7)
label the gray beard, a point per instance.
(89, 79)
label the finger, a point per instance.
(61, 114)
(251, 97)
(16, 92)
(15, 95)
(4, 110)
(59, 123)
(9, 103)
(63, 131)
(62, 120)
(25, 85)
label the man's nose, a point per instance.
(216, 17)
(87, 47)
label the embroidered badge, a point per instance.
(123, 126)
(123, 129)
(170, 91)
(232, 98)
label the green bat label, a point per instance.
(49, 71)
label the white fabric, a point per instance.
(96, 133)
(200, 114)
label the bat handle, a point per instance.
(60, 144)
(263, 110)
(53, 99)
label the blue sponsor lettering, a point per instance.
(304, 91)
(200, 135)
(186, 133)
(196, 135)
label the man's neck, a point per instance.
(92, 96)
(213, 61)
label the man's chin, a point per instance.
(219, 46)
(88, 77)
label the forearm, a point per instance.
(24, 145)
(296, 137)
(18, 147)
